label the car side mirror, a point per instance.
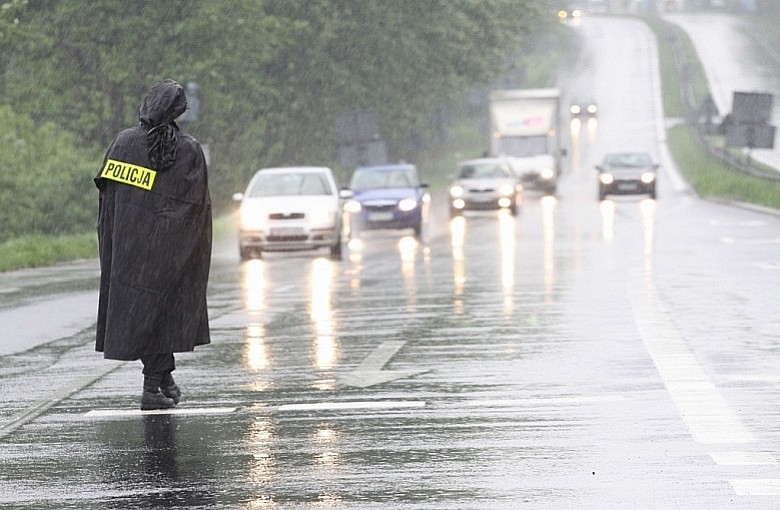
(656, 166)
(237, 197)
(599, 168)
(424, 185)
(346, 194)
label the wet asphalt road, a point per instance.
(579, 355)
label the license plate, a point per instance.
(286, 232)
(380, 216)
(627, 186)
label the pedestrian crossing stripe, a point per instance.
(124, 413)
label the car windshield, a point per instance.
(372, 179)
(628, 159)
(288, 184)
(484, 171)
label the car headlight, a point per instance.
(456, 191)
(252, 218)
(575, 109)
(647, 177)
(407, 204)
(606, 178)
(324, 219)
(352, 206)
(547, 173)
(592, 109)
(506, 190)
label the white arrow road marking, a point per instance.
(370, 373)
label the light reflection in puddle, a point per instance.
(321, 313)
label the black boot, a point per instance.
(153, 400)
(170, 389)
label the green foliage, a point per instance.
(43, 179)
(274, 74)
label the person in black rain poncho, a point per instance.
(154, 234)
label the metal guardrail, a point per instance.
(692, 117)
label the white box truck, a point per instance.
(525, 127)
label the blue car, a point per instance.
(387, 197)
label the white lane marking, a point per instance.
(757, 487)
(339, 406)
(125, 413)
(768, 378)
(542, 401)
(769, 266)
(704, 411)
(743, 458)
(747, 223)
(731, 240)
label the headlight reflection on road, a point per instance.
(408, 248)
(548, 228)
(607, 208)
(263, 471)
(506, 224)
(256, 351)
(254, 285)
(256, 355)
(457, 240)
(356, 260)
(326, 439)
(321, 312)
(576, 127)
(593, 127)
(327, 462)
(647, 206)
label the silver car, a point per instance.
(485, 184)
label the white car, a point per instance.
(290, 208)
(485, 184)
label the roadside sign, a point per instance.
(754, 136)
(751, 107)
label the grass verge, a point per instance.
(39, 250)
(711, 178)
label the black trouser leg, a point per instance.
(156, 368)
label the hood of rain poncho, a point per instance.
(164, 103)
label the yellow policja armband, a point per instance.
(134, 175)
